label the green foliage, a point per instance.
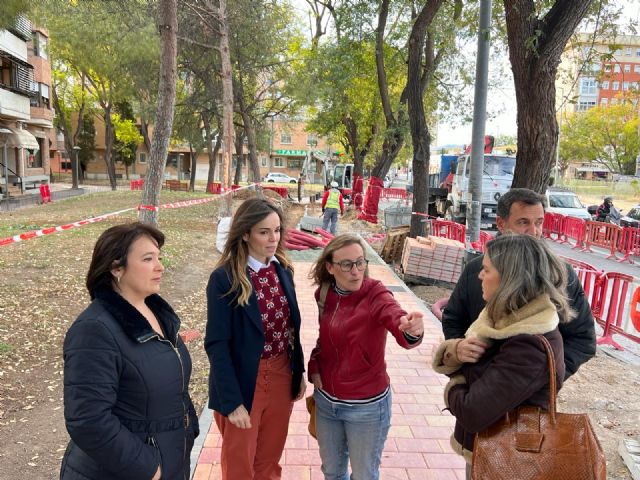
(607, 135)
(127, 139)
(86, 140)
(10, 11)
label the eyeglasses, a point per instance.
(347, 265)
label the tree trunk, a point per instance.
(144, 131)
(194, 166)
(69, 138)
(168, 25)
(212, 151)
(359, 154)
(393, 138)
(416, 84)
(227, 92)
(239, 140)
(534, 65)
(254, 165)
(108, 146)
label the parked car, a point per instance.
(276, 177)
(566, 202)
(632, 218)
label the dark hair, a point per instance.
(319, 273)
(236, 253)
(111, 251)
(523, 195)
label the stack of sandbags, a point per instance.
(433, 257)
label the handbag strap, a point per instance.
(551, 361)
(322, 297)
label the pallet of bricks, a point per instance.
(394, 243)
(433, 257)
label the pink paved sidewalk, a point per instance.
(418, 442)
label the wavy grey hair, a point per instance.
(528, 269)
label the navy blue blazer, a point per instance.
(234, 342)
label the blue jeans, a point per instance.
(352, 432)
(330, 218)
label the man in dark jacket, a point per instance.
(519, 211)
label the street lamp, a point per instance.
(74, 167)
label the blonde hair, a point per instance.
(528, 269)
(236, 252)
(319, 273)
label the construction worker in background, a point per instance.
(331, 203)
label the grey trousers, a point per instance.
(330, 218)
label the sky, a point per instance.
(501, 103)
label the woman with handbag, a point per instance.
(347, 367)
(253, 344)
(126, 371)
(523, 283)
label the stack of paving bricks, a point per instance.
(433, 257)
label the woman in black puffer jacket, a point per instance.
(126, 371)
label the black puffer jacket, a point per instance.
(466, 303)
(126, 401)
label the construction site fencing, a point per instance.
(481, 244)
(603, 235)
(447, 229)
(613, 298)
(587, 234)
(589, 277)
(573, 229)
(136, 184)
(393, 193)
(552, 225)
(629, 244)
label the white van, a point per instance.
(566, 202)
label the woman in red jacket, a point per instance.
(347, 367)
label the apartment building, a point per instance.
(26, 128)
(290, 143)
(597, 72)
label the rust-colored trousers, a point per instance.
(254, 453)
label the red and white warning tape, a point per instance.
(61, 228)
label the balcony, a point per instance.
(13, 45)
(22, 28)
(14, 105)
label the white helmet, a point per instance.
(334, 184)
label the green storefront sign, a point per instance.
(292, 153)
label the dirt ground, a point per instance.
(42, 292)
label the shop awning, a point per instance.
(21, 138)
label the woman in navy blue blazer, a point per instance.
(253, 344)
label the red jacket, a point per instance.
(349, 353)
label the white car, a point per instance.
(275, 177)
(566, 202)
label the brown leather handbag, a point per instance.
(532, 444)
